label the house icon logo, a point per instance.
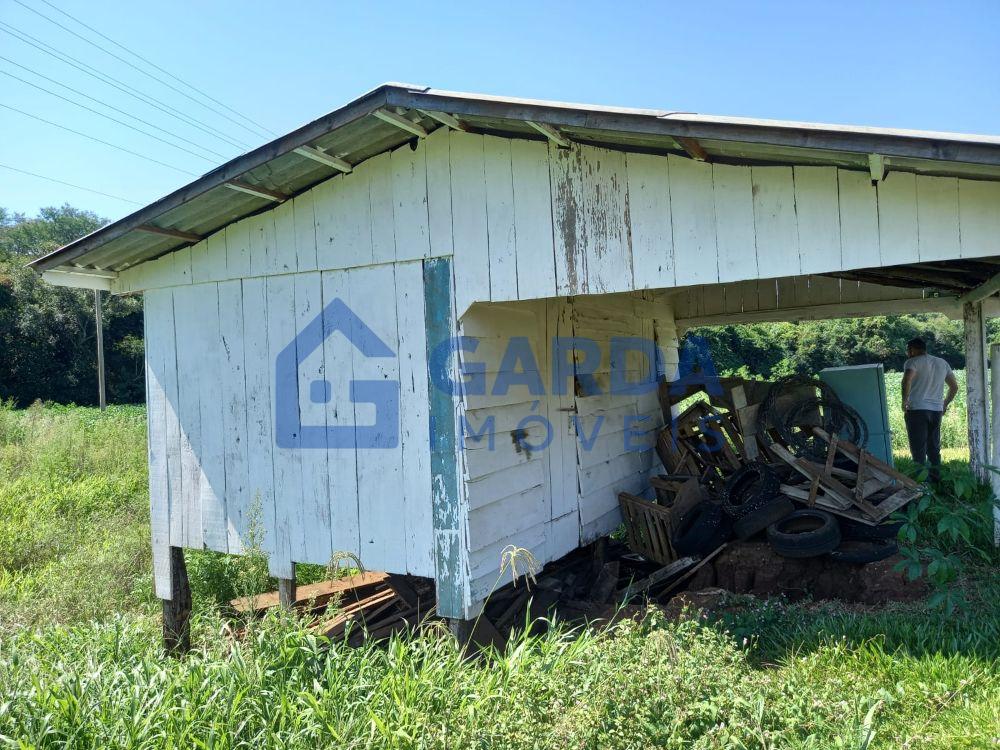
(383, 394)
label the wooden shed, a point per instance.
(299, 301)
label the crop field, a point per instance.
(81, 664)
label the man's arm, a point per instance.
(908, 376)
(952, 384)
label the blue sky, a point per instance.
(908, 64)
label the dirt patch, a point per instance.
(754, 568)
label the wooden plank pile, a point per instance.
(352, 609)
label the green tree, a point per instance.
(47, 335)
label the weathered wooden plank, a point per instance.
(305, 231)
(284, 254)
(342, 468)
(536, 273)
(506, 517)
(238, 249)
(409, 202)
(818, 218)
(189, 417)
(500, 218)
(232, 375)
(649, 221)
(439, 224)
(383, 232)
(259, 373)
(471, 237)
(897, 218)
(287, 452)
(937, 217)
(413, 418)
(774, 219)
(735, 233)
(159, 357)
(263, 257)
(979, 217)
(382, 520)
(859, 230)
(312, 518)
(692, 210)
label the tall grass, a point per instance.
(636, 686)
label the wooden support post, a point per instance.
(976, 387)
(177, 609)
(995, 404)
(599, 555)
(286, 591)
(462, 630)
(99, 325)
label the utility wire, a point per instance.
(107, 117)
(123, 87)
(98, 140)
(157, 67)
(132, 65)
(69, 184)
(105, 104)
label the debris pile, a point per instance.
(783, 460)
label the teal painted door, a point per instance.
(863, 387)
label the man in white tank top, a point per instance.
(924, 402)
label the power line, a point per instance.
(137, 68)
(123, 87)
(157, 67)
(69, 184)
(107, 117)
(109, 106)
(94, 138)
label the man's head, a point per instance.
(915, 347)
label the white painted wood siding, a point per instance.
(210, 357)
(558, 486)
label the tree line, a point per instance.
(47, 335)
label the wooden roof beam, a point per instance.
(878, 166)
(982, 291)
(553, 134)
(257, 191)
(444, 118)
(318, 154)
(693, 148)
(167, 232)
(400, 122)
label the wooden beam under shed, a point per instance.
(444, 118)
(167, 232)
(553, 134)
(982, 291)
(316, 154)
(693, 148)
(400, 122)
(257, 191)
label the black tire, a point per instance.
(855, 551)
(749, 488)
(862, 532)
(701, 530)
(804, 533)
(759, 519)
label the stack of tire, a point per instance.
(751, 503)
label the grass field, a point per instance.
(81, 666)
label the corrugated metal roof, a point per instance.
(355, 133)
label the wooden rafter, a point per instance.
(693, 148)
(257, 190)
(444, 118)
(167, 232)
(982, 291)
(317, 154)
(400, 122)
(553, 134)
